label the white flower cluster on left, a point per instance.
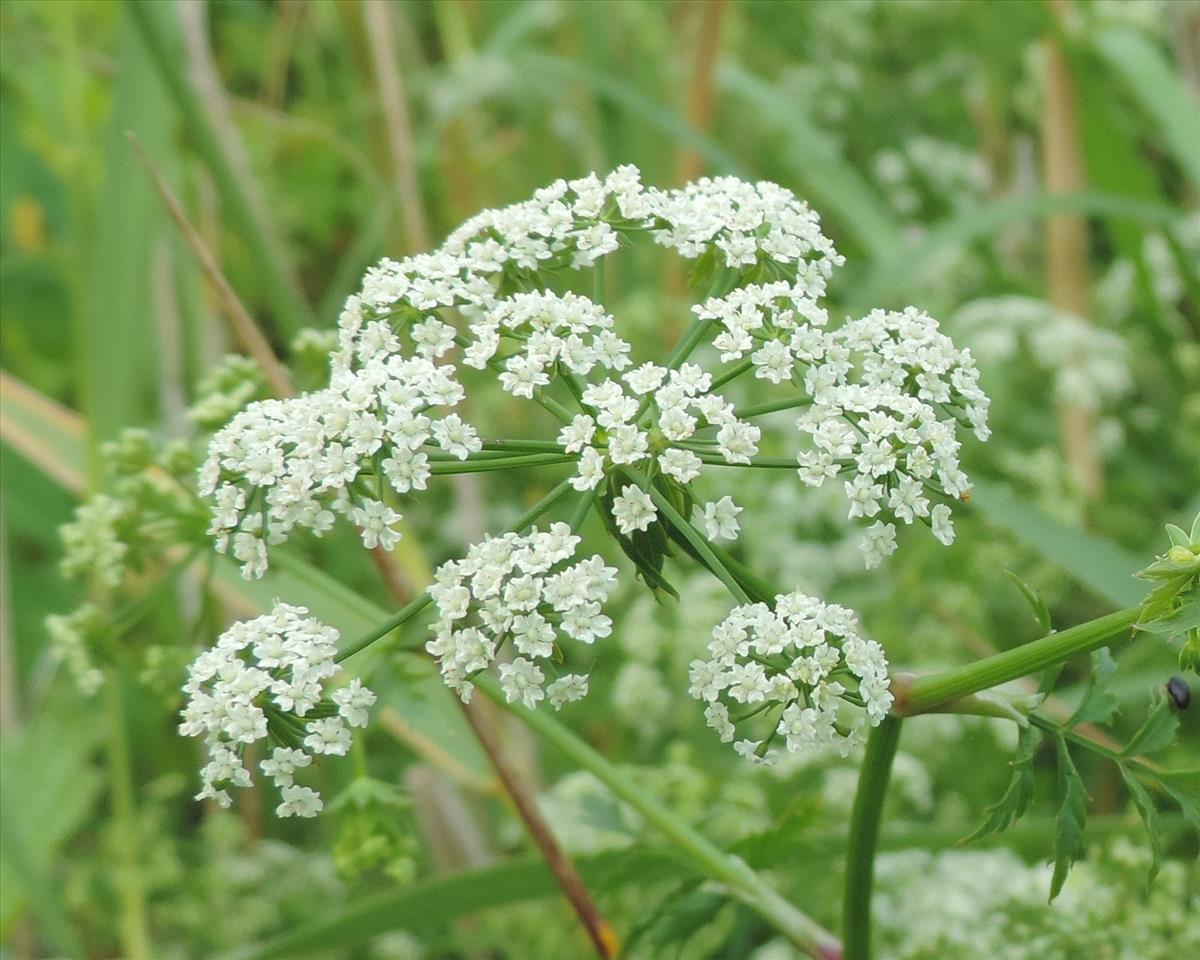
(520, 589)
(265, 679)
(798, 670)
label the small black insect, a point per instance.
(1179, 692)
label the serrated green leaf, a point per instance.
(1161, 600)
(1099, 703)
(1186, 617)
(1184, 789)
(1019, 794)
(1149, 814)
(1071, 819)
(1157, 733)
(1035, 601)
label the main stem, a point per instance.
(927, 693)
(865, 820)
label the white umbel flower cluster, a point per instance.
(520, 589)
(265, 680)
(798, 670)
(880, 399)
(385, 418)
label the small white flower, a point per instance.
(590, 471)
(878, 542)
(683, 465)
(299, 802)
(567, 689)
(352, 701)
(633, 510)
(283, 763)
(577, 434)
(328, 735)
(522, 680)
(943, 526)
(720, 519)
(457, 437)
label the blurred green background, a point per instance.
(1027, 172)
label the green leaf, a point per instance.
(1158, 89)
(1178, 537)
(444, 899)
(1184, 789)
(1072, 817)
(1099, 704)
(49, 787)
(1160, 601)
(1100, 565)
(1157, 732)
(1035, 601)
(891, 277)
(118, 334)
(1185, 618)
(680, 917)
(555, 72)
(1149, 814)
(1019, 794)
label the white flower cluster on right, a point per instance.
(519, 588)
(881, 399)
(798, 670)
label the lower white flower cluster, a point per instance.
(519, 588)
(797, 670)
(265, 679)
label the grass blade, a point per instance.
(888, 281)
(1099, 564)
(158, 25)
(1159, 91)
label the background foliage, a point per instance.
(918, 129)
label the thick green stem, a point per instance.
(731, 374)
(739, 878)
(443, 468)
(865, 820)
(525, 446)
(542, 506)
(598, 281)
(927, 693)
(773, 406)
(688, 342)
(381, 630)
